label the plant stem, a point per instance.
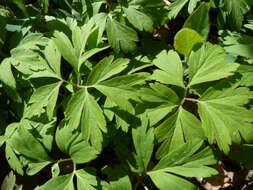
(191, 99)
(64, 160)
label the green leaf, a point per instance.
(121, 37)
(118, 178)
(64, 45)
(208, 64)
(175, 8)
(238, 44)
(105, 69)
(186, 39)
(72, 143)
(171, 69)
(199, 20)
(164, 180)
(53, 57)
(247, 75)
(12, 159)
(179, 128)
(236, 10)
(192, 5)
(9, 182)
(89, 54)
(6, 75)
(224, 117)
(34, 168)
(143, 139)
(26, 144)
(92, 121)
(64, 182)
(45, 96)
(90, 116)
(119, 96)
(164, 99)
(183, 161)
(139, 19)
(85, 180)
(55, 170)
(44, 4)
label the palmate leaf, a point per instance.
(224, 117)
(183, 161)
(85, 180)
(179, 128)
(85, 44)
(208, 64)
(139, 19)
(171, 68)
(159, 101)
(72, 143)
(121, 37)
(105, 69)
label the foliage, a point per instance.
(95, 96)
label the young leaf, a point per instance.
(223, 116)
(183, 162)
(179, 128)
(186, 39)
(171, 69)
(208, 64)
(121, 37)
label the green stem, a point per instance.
(191, 99)
(64, 160)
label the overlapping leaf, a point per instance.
(183, 161)
(208, 64)
(224, 117)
